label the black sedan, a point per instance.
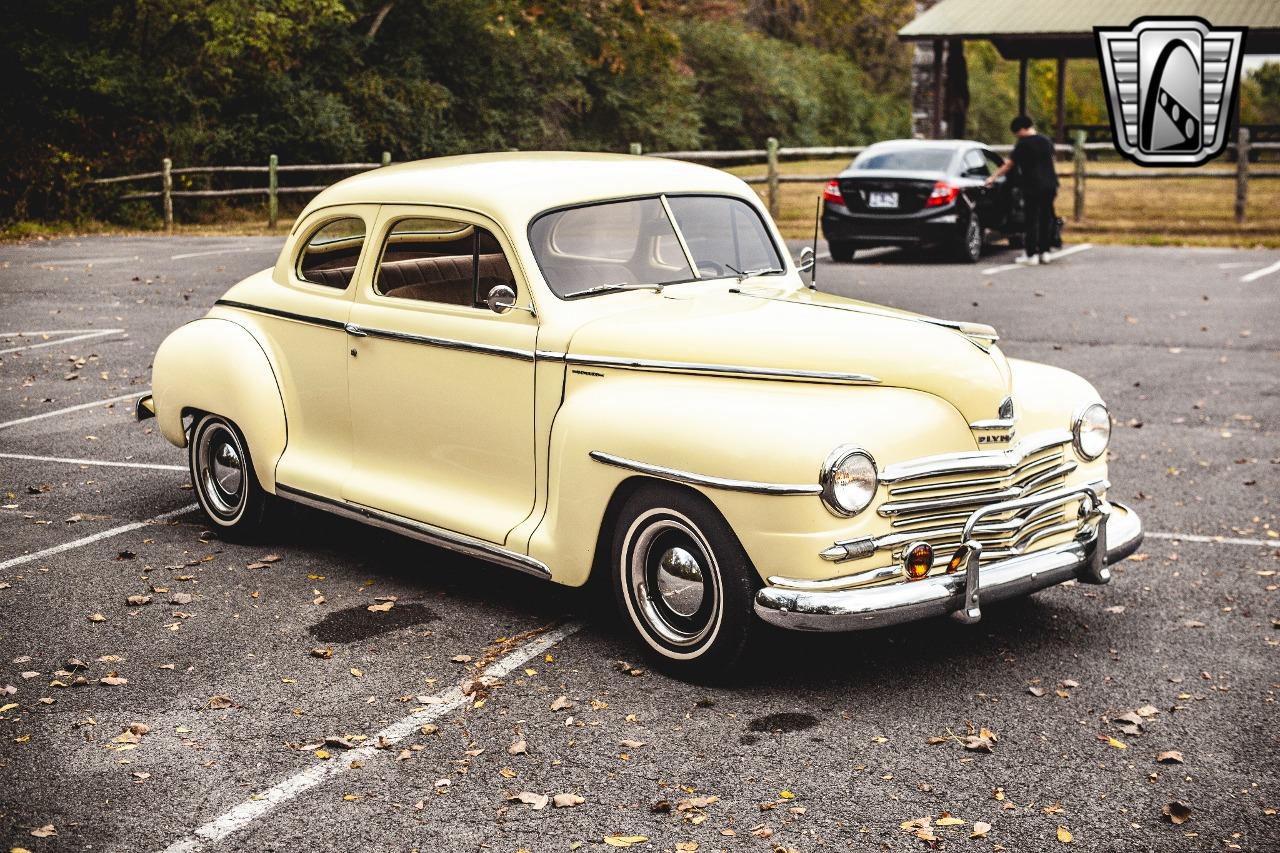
(911, 192)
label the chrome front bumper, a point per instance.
(1110, 532)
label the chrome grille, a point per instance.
(929, 500)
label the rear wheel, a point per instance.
(969, 240)
(842, 251)
(223, 479)
(684, 582)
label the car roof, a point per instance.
(952, 144)
(515, 185)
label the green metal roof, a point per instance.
(1011, 19)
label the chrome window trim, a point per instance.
(974, 461)
(708, 481)
(429, 533)
(1077, 418)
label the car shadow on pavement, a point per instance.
(938, 651)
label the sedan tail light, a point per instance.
(943, 193)
(832, 193)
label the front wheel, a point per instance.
(223, 479)
(969, 240)
(684, 582)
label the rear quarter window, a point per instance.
(329, 255)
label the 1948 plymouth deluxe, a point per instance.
(575, 363)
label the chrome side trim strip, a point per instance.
(741, 371)
(284, 315)
(444, 343)
(994, 423)
(458, 542)
(974, 461)
(703, 479)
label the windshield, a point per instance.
(621, 244)
(905, 159)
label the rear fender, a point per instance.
(217, 366)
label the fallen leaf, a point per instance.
(113, 681)
(358, 673)
(625, 840)
(1178, 812)
(534, 801)
(562, 703)
(948, 820)
(326, 652)
(138, 600)
(1036, 691)
(322, 754)
(461, 658)
(564, 801)
(686, 846)
(46, 831)
(978, 743)
(218, 703)
(631, 744)
(180, 598)
(1064, 834)
(1147, 711)
(381, 608)
(1170, 756)
(980, 829)
(518, 747)
(97, 617)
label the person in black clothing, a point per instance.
(1033, 158)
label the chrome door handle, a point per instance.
(355, 330)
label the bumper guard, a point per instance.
(1109, 533)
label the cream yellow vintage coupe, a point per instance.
(576, 363)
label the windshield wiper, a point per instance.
(746, 274)
(612, 288)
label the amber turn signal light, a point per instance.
(957, 560)
(919, 560)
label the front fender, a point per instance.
(740, 429)
(217, 366)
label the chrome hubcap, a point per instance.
(672, 579)
(680, 581)
(220, 470)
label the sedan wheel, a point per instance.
(970, 248)
(222, 475)
(683, 581)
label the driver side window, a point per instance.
(441, 260)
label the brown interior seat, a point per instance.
(443, 279)
(338, 277)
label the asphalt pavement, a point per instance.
(250, 700)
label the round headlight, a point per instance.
(849, 480)
(1091, 431)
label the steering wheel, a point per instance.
(717, 271)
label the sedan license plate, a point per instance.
(882, 200)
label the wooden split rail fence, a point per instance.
(771, 156)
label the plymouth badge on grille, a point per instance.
(1171, 84)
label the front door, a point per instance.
(441, 387)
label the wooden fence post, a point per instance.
(1079, 163)
(636, 150)
(771, 152)
(166, 193)
(386, 158)
(1242, 174)
(273, 185)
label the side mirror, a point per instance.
(501, 299)
(807, 260)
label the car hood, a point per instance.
(773, 331)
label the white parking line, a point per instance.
(1215, 540)
(135, 395)
(88, 262)
(185, 255)
(155, 466)
(1053, 256)
(84, 335)
(247, 812)
(1257, 274)
(96, 537)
